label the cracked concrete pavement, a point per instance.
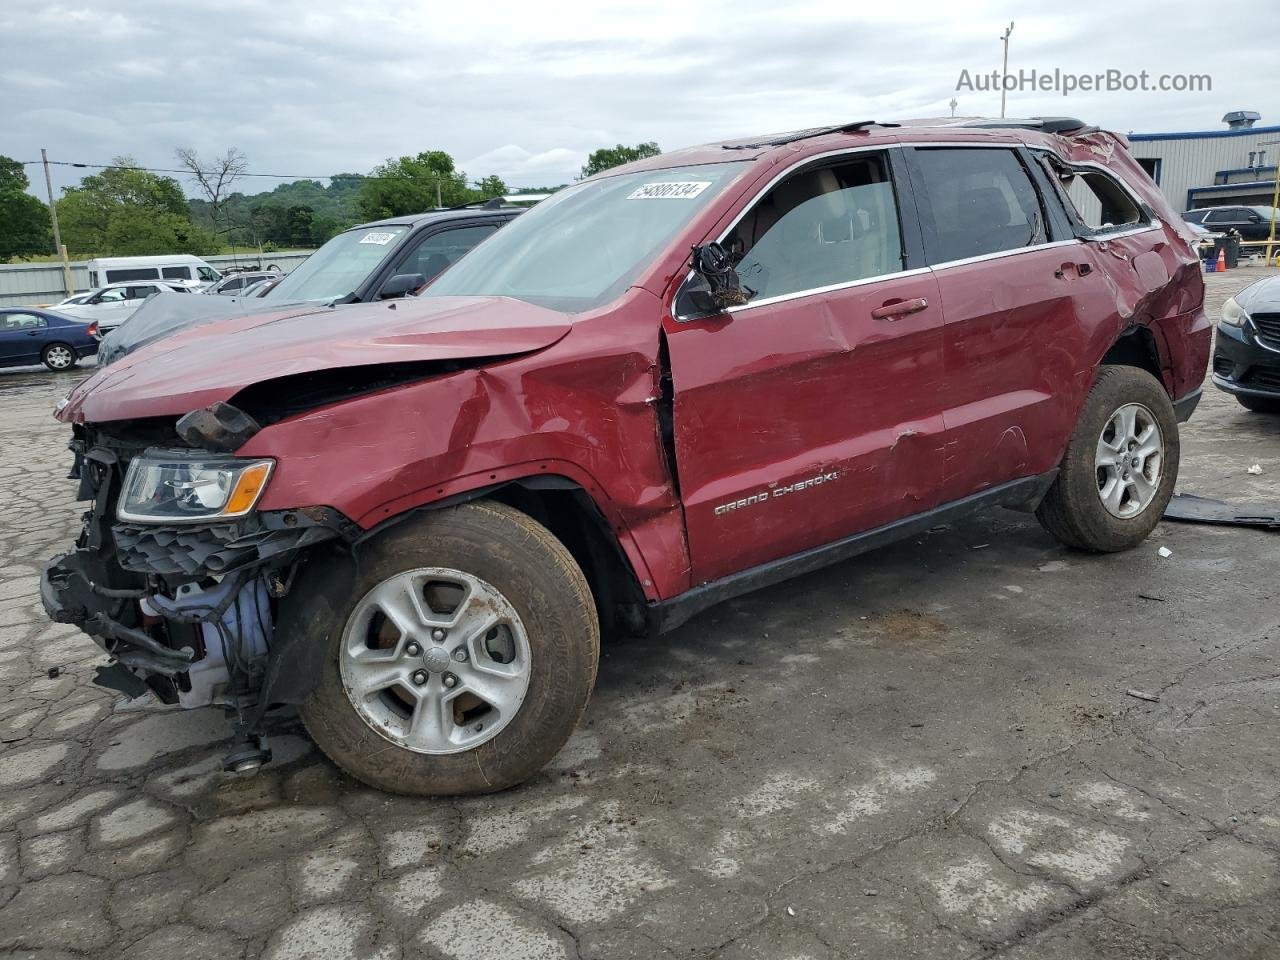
(925, 752)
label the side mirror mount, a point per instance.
(723, 287)
(1255, 218)
(401, 285)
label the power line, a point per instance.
(267, 176)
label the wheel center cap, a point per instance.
(436, 659)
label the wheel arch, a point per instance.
(559, 503)
(1136, 346)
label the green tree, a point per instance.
(301, 218)
(137, 231)
(492, 186)
(607, 157)
(414, 184)
(88, 214)
(24, 220)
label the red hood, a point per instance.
(195, 367)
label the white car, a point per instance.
(115, 303)
(73, 300)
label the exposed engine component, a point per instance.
(235, 625)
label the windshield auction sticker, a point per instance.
(670, 190)
(381, 239)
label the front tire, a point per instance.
(1259, 404)
(1120, 467)
(58, 356)
(463, 657)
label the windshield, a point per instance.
(583, 246)
(336, 269)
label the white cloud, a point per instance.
(312, 87)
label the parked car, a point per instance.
(112, 305)
(375, 261)
(176, 268)
(236, 284)
(29, 336)
(1246, 354)
(74, 299)
(1252, 223)
(666, 385)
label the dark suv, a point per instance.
(1252, 223)
(374, 261)
(669, 384)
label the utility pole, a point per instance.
(1275, 201)
(954, 103)
(59, 249)
(1004, 70)
(439, 202)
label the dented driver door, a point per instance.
(813, 412)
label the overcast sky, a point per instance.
(525, 90)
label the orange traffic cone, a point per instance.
(1222, 260)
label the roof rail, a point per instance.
(1043, 124)
(779, 139)
(493, 203)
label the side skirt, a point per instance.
(668, 614)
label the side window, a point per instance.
(235, 283)
(981, 201)
(141, 292)
(1100, 202)
(140, 273)
(176, 273)
(21, 321)
(110, 295)
(437, 252)
(821, 227)
(207, 274)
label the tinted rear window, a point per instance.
(136, 273)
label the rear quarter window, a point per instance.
(1099, 201)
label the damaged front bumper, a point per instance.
(190, 612)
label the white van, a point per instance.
(178, 268)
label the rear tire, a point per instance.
(1259, 404)
(423, 732)
(1120, 466)
(58, 356)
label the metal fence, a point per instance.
(41, 283)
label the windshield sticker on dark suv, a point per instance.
(670, 190)
(381, 239)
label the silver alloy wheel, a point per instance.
(58, 357)
(1129, 459)
(435, 660)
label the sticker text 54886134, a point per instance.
(669, 190)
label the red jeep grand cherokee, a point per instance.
(664, 386)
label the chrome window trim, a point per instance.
(1002, 254)
(830, 288)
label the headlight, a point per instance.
(177, 490)
(1233, 315)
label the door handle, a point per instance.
(1079, 269)
(892, 309)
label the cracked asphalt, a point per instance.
(925, 752)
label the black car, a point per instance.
(374, 261)
(1246, 357)
(1252, 223)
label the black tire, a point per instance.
(1260, 404)
(50, 354)
(1072, 510)
(540, 579)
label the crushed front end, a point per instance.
(175, 574)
